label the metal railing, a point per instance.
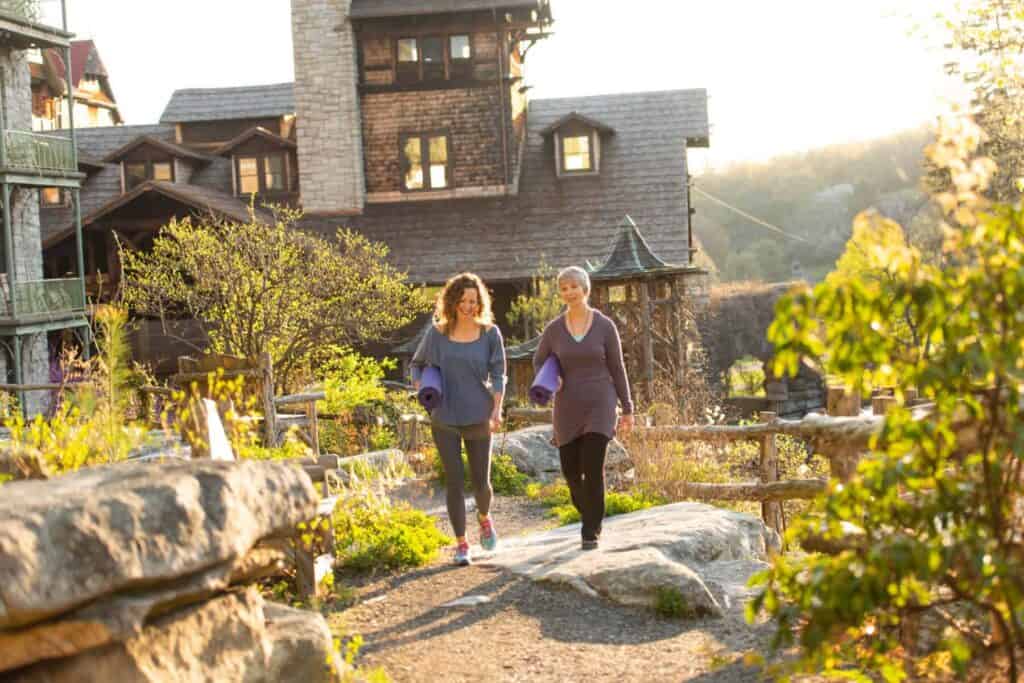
(45, 298)
(36, 152)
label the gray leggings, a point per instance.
(448, 439)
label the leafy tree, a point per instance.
(931, 522)
(271, 288)
(531, 311)
(987, 38)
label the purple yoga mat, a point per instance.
(545, 384)
(430, 392)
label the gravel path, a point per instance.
(528, 631)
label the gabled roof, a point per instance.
(200, 199)
(643, 174)
(255, 131)
(147, 140)
(373, 9)
(631, 257)
(220, 104)
(89, 164)
(580, 118)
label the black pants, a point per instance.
(583, 467)
(449, 440)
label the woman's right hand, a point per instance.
(559, 384)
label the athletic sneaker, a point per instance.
(488, 536)
(589, 544)
(462, 557)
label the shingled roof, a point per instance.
(631, 257)
(220, 104)
(372, 9)
(562, 221)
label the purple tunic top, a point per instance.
(593, 378)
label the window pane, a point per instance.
(577, 153)
(438, 176)
(439, 149)
(248, 175)
(617, 294)
(459, 47)
(433, 59)
(134, 174)
(408, 50)
(162, 170)
(433, 51)
(413, 164)
(51, 196)
(274, 170)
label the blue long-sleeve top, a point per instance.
(471, 373)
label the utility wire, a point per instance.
(749, 217)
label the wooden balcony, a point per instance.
(23, 26)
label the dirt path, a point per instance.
(530, 632)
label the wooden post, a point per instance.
(267, 395)
(880, 405)
(647, 337)
(771, 510)
(842, 464)
(314, 431)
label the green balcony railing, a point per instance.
(46, 298)
(36, 152)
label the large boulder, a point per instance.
(68, 542)
(703, 552)
(235, 637)
(301, 646)
(534, 454)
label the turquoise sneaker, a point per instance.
(488, 536)
(462, 557)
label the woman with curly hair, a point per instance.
(466, 346)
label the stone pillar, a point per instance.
(327, 108)
(28, 250)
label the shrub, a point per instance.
(557, 499)
(506, 478)
(669, 602)
(370, 533)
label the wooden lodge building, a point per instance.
(409, 121)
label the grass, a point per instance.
(670, 603)
(557, 499)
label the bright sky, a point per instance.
(782, 76)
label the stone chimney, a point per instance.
(327, 108)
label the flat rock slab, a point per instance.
(705, 553)
(70, 541)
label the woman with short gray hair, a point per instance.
(589, 351)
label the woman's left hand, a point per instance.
(625, 425)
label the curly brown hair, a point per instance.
(448, 299)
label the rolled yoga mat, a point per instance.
(430, 392)
(545, 384)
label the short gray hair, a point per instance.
(577, 275)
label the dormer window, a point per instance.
(577, 140)
(138, 172)
(261, 174)
(576, 154)
(425, 162)
(146, 158)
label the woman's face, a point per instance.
(571, 291)
(468, 307)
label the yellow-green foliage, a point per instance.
(372, 533)
(670, 602)
(271, 288)
(90, 426)
(557, 499)
(936, 509)
(537, 307)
